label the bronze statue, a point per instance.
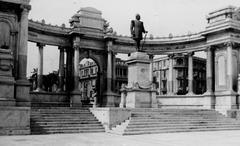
(136, 29)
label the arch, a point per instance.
(84, 55)
(6, 36)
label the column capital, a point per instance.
(25, 8)
(40, 45)
(209, 48)
(76, 48)
(151, 56)
(170, 56)
(109, 46)
(190, 53)
(61, 48)
(229, 44)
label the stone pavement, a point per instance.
(212, 138)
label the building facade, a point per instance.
(161, 74)
(88, 77)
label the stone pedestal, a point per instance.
(225, 101)
(14, 120)
(75, 99)
(6, 79)
(140, 91)
(110, 99)
(209, 100)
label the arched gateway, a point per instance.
(90, 37)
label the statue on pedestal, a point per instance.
(137, 29)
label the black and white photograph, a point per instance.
(119, 73)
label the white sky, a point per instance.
(160, 18)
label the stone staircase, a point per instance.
(149, 121)
(51, 120)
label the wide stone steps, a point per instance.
(61, 131)
(147, 121)
(181, 125)
(50, 120)
(155, 131)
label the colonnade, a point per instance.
(61, 73)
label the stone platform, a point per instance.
(14, 120)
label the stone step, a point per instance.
(49, 104)
(191, 111)
(179, 130)
(181, 127)
(66, 124)
(177, 123)
(67, 128)
(175, 120)
(67, 131)
(59, 111)
(143, 121)
(176, 112)
(63, 119)
(176, 115)
(61, 115)
(50, 120)
(130, 126)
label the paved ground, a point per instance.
(214, 138)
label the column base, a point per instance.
(190, 94)
(75, 99)
(111, 99)
(7, 91)
(225, 101)
(209, 100)
(39, 90)
(22, 93)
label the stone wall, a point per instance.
(180, 101)
(111, 117)
(14, 120)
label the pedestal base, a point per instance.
(141, 99)
(75, 99)
(209, 100)
(225, 101)
(7, 91)
(111, 99)
(14, 120)
(23, 93)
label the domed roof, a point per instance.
(90, 12)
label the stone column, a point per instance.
(170, 75)
(69, 70)
(22, 84)
(151, 56)
(40, 67)
(159, 81)
(109, 68)
(209, 95)
(209, 71)
(75, 95)
(229, 66)
(109, 94)
(190, 73)
(226, 99)
(76, 69)
(114, 72)
(61, 69)
(23, 43)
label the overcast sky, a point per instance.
(160, 18)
